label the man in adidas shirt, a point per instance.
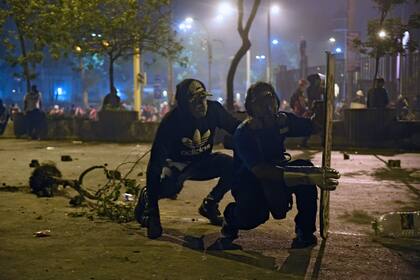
(182, 150)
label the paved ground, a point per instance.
(82, 248)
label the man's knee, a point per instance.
(246, 217)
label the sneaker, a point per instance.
(210, 209)
(140, 207)
(228, 232)
(300, 242)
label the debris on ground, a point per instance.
(43, 233)
(66, 158)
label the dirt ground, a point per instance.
(96, 248)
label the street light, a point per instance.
(187, 24)
(225, 8)
(275, 41)
(332, 40)
(275, 9)
(338, 50)
(382, 34)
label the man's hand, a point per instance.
(325, 179)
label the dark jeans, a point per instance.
(251, 207)
(36, 123)
(212, 166)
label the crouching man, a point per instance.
(182, 150)
(265, 178)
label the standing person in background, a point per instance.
(297, 101)
(35, 117)
(4, 117)
(378, 96)
(314, 90)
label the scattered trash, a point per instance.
(140, 174)
(50, 148)
(77, 200)
(39, 217)
(66, 158)
(76, 214)
(128, 197)
(77, 142)
(394, 163)
(43, 233)
(346, 156)
(398, 224)
(34, 163)
(40, 181)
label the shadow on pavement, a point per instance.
(294, 266)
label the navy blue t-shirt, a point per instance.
(255, 146)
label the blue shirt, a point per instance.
(256, 146)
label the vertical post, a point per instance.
(137, 81)
(84, 90)
(324, 216)
(171, 99)
(248, 69)
(269, 42)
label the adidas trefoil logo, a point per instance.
(197, 140)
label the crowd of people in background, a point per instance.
(301, 104)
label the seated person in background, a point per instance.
(182, 150)
(111, 101)
(358, 101)
(264, 176)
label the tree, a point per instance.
(119, 28)
(246, 45)
(385, 34)
(27, 27)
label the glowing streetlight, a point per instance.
(219, 18)
(189, 20)
(338, 50)
(332, 40)
(275, 9)
(225, 8)
(78, 49)
(382, 34)
(275, 41)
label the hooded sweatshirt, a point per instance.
(183, 138)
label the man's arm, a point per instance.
(249, 151)
(225, 120)
(299, 126)
(158, 156)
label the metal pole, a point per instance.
(136, 78)
(269, 42)
(248, 69)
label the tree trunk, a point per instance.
(377, 58)
(111, 72)
(25, 65)
(246, 44)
